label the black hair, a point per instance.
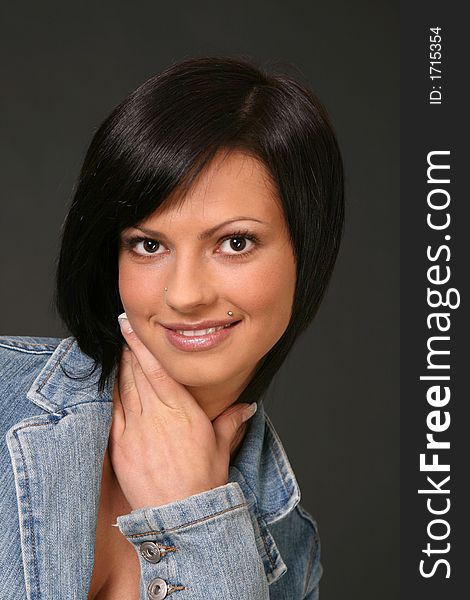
(159, 139)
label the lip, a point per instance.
(196, 326)
(197, 343)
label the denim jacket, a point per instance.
(247, 539)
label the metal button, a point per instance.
(151, 552)
(157, 589)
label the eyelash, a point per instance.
(130, 243)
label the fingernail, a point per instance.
(250, 411)
(124, 323)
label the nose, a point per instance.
(190, 284)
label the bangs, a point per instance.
(167, 132)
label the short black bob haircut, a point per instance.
(160, 138)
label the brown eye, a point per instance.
(238, 243)
(150, 246)
(144, 247)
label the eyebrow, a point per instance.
(204, 235)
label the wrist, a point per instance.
(156, 501)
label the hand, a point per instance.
(162, 445)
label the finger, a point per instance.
(148, 397)
(168, 390)
(118, 423)
(228, 424)
(128, 392)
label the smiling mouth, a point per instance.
(195, 340)
(199, 332)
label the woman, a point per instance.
(207, 217)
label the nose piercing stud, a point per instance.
(166, 289)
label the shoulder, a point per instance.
(21, 356)
(298, 541)
(21, 360)
(28, 344)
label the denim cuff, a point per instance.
(182, 513)
(203, 546)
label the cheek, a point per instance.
(136, 288)
(127, 284)
(267, 297)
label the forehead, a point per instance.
(233, 183)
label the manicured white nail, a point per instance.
(124, 323)
(250, 411)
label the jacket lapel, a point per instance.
(57, 460)
(267, 480)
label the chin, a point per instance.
(198, 379)
(201, 369)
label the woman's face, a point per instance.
(226, 248)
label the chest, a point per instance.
(116, 568)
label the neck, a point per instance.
(215, 399)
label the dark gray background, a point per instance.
(335, 402)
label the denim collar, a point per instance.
(260, 467)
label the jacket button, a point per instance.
(151, 552)
(157, 589)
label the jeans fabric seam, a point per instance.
(201, 520)
(30, 513)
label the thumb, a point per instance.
(227, 424)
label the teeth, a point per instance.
(191, 333)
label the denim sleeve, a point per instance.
(313, 594)
(201, 547)
(315, 568)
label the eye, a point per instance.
(239, 244)
(145, 247)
